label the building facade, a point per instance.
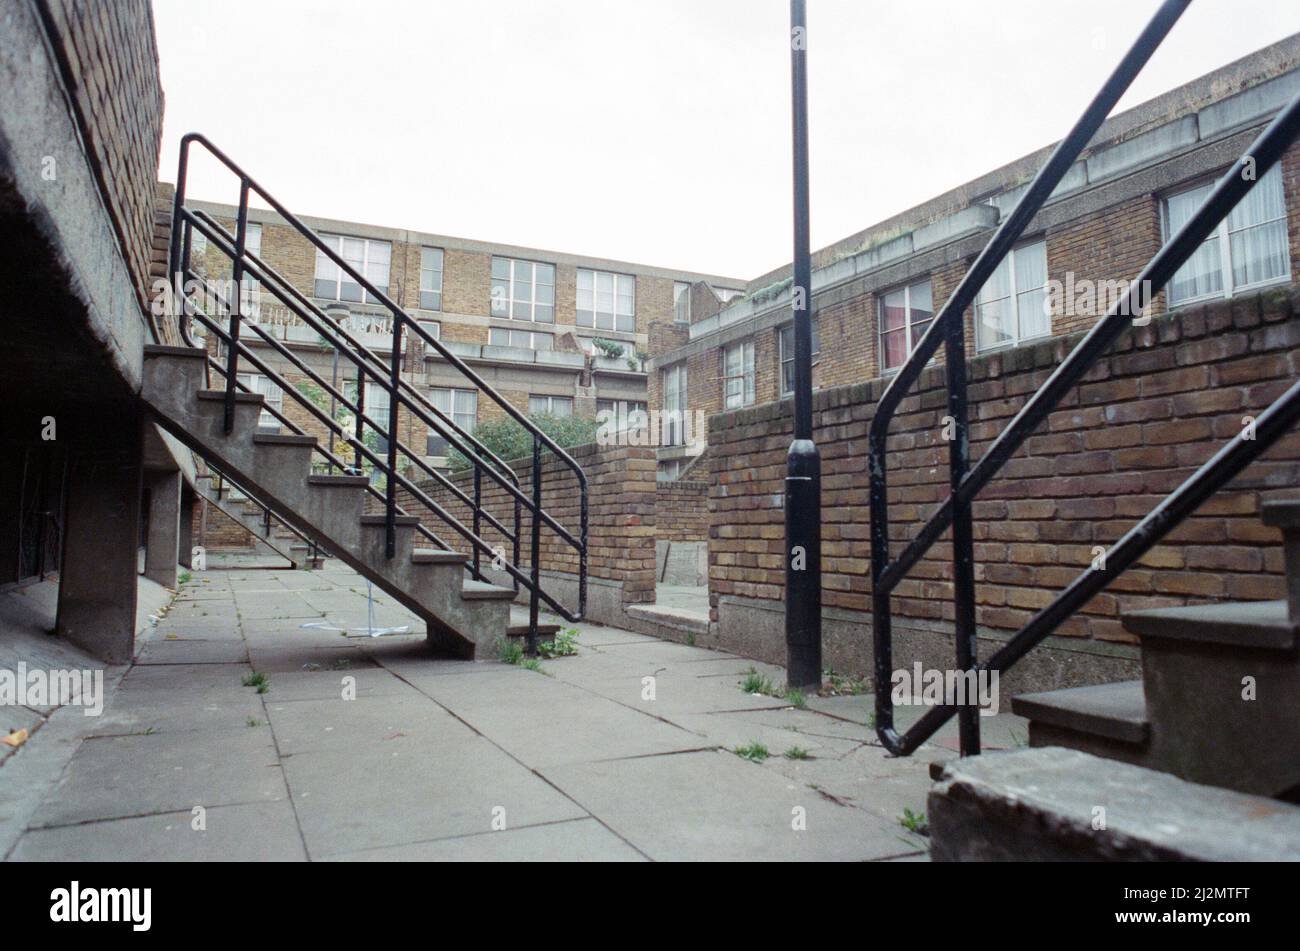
(554, 333)
(874, 292)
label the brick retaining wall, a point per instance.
(1162, 403)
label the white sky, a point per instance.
(654, 131)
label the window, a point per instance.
(1012, 306)
(431, 278)
(738, 374)
(1247, 249)
(376, 408)
(552, 405)
(523, 290)
(786, 348)
(905, 315)
(273, 398)
(681, 302)
(461, 406)
(366, 257)
(625, 414)
(726, 294)
(674, 415)
(250, 292)
(524, 339)
(671, 470)
(606, 301)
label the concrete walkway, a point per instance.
(623, 752)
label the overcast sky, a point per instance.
(654, 131)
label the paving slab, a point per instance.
(254, 832)
(158, 711)
(578, 840)
(187, 650)
(547, 722)
(183, 678)
(349, 800)
(377, 722)
(117, 777)
(714, 806)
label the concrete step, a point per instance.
(434, 556)
(1042, 805)
(338, 481)
(1113, 712)
(482, 591)
(1216, 703)
(283, 439)
(543, 630)
(164, 350)
(1254, 625)
(219, 396)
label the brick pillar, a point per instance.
(162, 544)
(98, 577)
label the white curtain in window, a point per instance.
(1203, 272)
(1031, 294)
(1257, 233)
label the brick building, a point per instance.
(875, 291)
(554, 333)
(1219, 345)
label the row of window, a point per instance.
(520, 290)
(460, 405)
(1249, 249)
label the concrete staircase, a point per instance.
(235, 506)
(461, 615)
(1219, 699)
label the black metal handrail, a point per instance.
(472, 536)
(965, 483)
(370, 367)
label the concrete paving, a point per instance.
(373, 749)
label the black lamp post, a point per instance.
(803, 570)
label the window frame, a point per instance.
(908, 322)
(510, 299)
(782, 360)
(531, 334)
(746, 394)
(366, 243)
(681, 292)
(1013, 297)
(1223, 235)
(672, 419)
(432, 303)
(617, 281)
(451, 411)
(551, 402)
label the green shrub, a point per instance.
(511, 441)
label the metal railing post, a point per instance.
(237, 273)
(390, 482)
(963, 545)
(536, 548)
(359, 422)
(803, 621)
(478, 509)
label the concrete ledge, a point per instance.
(755, 628)
(1043, 805)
